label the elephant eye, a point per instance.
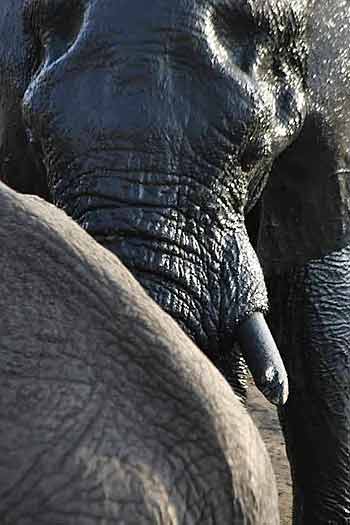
(239, 30)
(57, 24)
(235, 23)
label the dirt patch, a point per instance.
(266, 419)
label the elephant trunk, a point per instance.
(195, 261)
(263, 358)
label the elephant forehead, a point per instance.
(133, 15)
(131, 18)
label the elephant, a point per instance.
(155, 130)
(304, 246)
(155, 127)
(109, 412)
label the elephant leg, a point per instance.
(310, 318)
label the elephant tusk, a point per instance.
(263, 358)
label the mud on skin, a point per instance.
(155, 129)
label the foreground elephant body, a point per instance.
(109, 413)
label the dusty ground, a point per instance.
(266, 419)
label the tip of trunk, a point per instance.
(263, 358)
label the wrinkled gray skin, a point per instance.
(198, 93)
(305, 248)
(154, 127)
(109, 414)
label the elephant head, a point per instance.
(154, 125)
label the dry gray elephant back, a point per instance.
(109, 413)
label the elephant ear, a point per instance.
(307, 198)
(306, 201)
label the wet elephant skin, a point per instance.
(305, 248)
(109, 414)
(155, 128)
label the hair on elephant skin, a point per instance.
(109, 413)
